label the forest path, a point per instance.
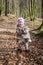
(8, 44)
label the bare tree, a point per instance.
(6, 7)
(42, 9)
(0, 7)
(41, 15)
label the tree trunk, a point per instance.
(0, 12)
(13, 6)
(16, 7)
(42, 16)
(6, 7)
(42, 9)
(42, 13)
(0, 7)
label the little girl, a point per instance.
(23, 32)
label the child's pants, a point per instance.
(25, 43)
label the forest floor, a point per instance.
(8, 43)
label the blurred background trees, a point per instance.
(0, 6)
(25, 8)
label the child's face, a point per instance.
(21, 24)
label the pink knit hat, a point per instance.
(20, 19)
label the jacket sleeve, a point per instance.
(18, 31)
(27, 30)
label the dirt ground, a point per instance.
(8, 46)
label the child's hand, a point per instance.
(23, 31)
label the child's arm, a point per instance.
(28, 32)
(29, 35)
